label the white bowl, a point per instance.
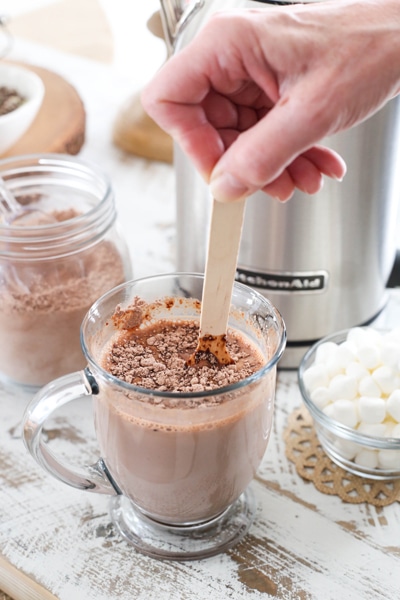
(15, 123)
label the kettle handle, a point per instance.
(175, 15)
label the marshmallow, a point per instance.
(396, 431)
(334, 366)
(357, 370)
(369, 355)
(343, 387)
(345, 353)
(393, 405)
(357, 336)
(346, 448)
(389, 459)
(367, 458)
(345, 412)
(363, 336)
(335, 356)
(390, 352)
(315, 376)
(386, 379)
(329, 410)
(368, 387)
(325, 352)
(321, 397)
(389, 427)
(373, 429)
(372, 410)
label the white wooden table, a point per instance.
(57, 542)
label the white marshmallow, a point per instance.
(321, 397)
(368, 387)
(345, 412)
(360, 336)
(329, 410)
(371, 409)
(357, 336)
(335, 356)
(315, 376)
(367, 458)
(357, 370)
(334, 366)
(389, 427)
(393, 405)
(346, 448)
(387, 380)
(389, 459)
(374, 336)
(345, 354)
(373, 429)
(343, 387)
(325, 352)
(396, 431)
(369, 355)
(390, 352)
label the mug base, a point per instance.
(169, 542)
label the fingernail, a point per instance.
(340, 179)
(226, 188)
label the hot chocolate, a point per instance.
(179, 444)
(181, 457)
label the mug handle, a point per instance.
(92, 478)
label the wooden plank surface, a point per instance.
(20, 585)
(303, 545)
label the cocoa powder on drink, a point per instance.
(155, 356)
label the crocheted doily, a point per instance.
(311, 462)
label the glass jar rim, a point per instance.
(63, 237)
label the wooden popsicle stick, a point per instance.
(223, 249)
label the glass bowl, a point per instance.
(376, 454)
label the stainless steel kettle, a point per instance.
(323, 260)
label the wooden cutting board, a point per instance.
(135, 132)
(60, 123)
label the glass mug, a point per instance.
(178, 465)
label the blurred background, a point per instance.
(105, 51)
(111, 31)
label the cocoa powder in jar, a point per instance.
(42, 304)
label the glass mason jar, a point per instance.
(52, 272)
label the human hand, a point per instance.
(256, 90)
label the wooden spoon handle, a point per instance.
(223, 249)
